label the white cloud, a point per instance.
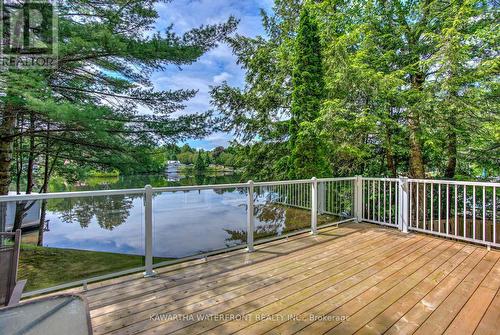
(220, 78)
(215, 66)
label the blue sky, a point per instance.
(217, 65)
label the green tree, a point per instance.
(200, 164)
(208, 159)
(259, 113)
(411, 87)
(186, 158)
(463, 88)
(216, 154)
(307, 156)
(87, 108)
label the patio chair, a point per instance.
(55, 315)
(10, 288)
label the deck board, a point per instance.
(164, 281)
(224, 283)
(355, 279)
(490, 323)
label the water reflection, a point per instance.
(109, 211)
(185, 223)
(127, 182)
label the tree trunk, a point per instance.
(19, 159)
(45, 187)
(19, 170)
(3, 219)
(7, 128)
(41, 227)
(391, 165)
(31, 157)
(416, 161)
(23, 207)
(20, 215)
(451, 165)
(417, 169)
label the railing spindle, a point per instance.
(439, 207)
(465, 210)
(390, 202)
(425, 207)
(484, 213)
(410, 200)
(456, 210)
(385, 201)
(473, 212)
(447, 209)
(432, 206)
(418, 208)
(494, 214)
(378, 201)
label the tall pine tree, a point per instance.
(307, 152)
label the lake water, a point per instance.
(184, 223)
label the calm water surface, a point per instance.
(184, 223)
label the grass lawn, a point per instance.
(46, 267)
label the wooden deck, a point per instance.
(356, 279)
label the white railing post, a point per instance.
(250, 217)
(148, 231)
(314, 206)
(358, 199)
(403, 204)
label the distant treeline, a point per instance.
(201, 160)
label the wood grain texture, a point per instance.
(355, 279)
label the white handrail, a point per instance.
(141, 191)
(381, 179)
(198, 187)
(285, 182)
(63, 195)
(320, 180)
(454, 182)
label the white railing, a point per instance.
(328, 196)
(380, 203)
(459, 210)
(337, 197)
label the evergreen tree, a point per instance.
(200, 164)
(411, 87)
(88, 107)
(307, 156)
(208, 159)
